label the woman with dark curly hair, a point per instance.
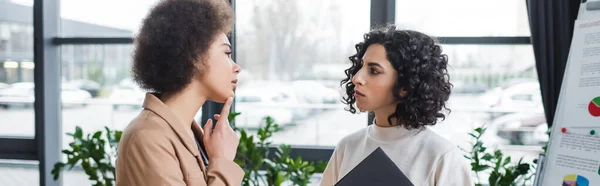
(183, 58)
(400, 76)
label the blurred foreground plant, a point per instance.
(96, 153)
(497, 165)
(254, 154)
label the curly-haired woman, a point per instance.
(400, 76)
(183, 57)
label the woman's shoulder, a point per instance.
(147, 119)
(145, 125)
(434, 143)
(353, 137)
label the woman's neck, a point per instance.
(184, 104)
(381, 117)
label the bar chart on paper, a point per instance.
(575, 180)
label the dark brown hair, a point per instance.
(174, 39)
(422, 72)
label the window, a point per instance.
(21, 172)
(97, 89)
(522, 97)
(4, 37)
(494, 85)
(17, 123)
(108, 18)
(464, 17)
(299, 49)
(18, 172)
(16, 70)
(21, 39)
(487, 79)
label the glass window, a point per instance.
(495, 86)
(19, 172)
(16, 69)
(464, 17)
(293, 55)
(16, 87)
(522, 97)
(97, 89)
(90, 18)
(4, 38)
(21, 40)
(25, 172)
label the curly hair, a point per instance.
(422, 73)
(174, 39)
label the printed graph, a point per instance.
(575, 180)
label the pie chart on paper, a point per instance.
(575, 180)
(594, 107)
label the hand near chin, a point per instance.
(222, 141)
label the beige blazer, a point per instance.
(156, 150)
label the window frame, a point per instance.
(45, 146)
(309, 153)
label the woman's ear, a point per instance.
(403, 93)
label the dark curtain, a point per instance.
(551, 23)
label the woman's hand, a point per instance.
(221, 142)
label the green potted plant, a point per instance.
(96, 154)
(496, 165)
(255, 154)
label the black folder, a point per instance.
(377, 169)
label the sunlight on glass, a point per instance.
(293, 55)
(464, 17)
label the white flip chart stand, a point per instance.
(573, 155)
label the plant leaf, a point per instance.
(506, 161)
(487, 157)
(78, 133)
(97, 135)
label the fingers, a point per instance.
(227, 107)
(219, 122)
(207, 130)
(224, 113)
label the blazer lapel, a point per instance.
(199, 134)
(152, 103)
